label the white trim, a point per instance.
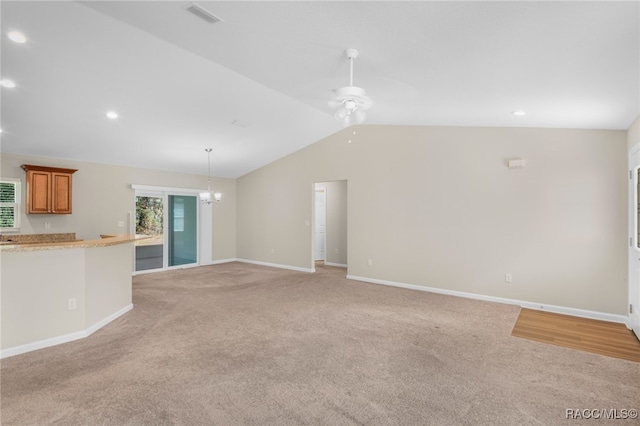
(218, 262)
(276, 265)
(339, 265)
(603, 316)
(173, 268)
(633, 296)
(151, 188)
(322, 188)
(58, 340)
(97, 326)
(146, 271)
(41, 344)
(212, 262)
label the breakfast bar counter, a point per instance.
(56, 292)
(104, 241)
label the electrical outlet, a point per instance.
(508, 278)
(72, 304)
(369, 262)
(273, 251)
(121, 224)
(337, 251)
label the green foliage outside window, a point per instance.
(9, 204)
(149, 215)
(7, 219)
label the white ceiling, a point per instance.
(179, 83)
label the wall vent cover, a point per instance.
(202, 13)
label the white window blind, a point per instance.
(10, 204)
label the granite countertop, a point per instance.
(106, 240)
(37, 238)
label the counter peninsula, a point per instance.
(56, 292)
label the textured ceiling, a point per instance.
(179, 83)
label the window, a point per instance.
(178, 215)
(9, 204)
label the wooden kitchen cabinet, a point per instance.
(49, 189)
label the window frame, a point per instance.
(15, 205)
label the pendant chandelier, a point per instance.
(209, 197)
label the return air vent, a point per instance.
(202, 13)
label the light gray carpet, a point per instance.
(240, 344)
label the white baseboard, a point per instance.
(276, 265)
(604, 316)
(53, 341)
(339, 265)
(220, 261)
(97, 326)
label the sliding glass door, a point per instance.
(149, 248)
(169, 224)
(183, 229)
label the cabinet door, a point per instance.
(38, 199)
(60, 193)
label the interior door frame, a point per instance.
(203, 218)
(634, 240)
(319, 187)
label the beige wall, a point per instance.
(437, 207)
(107, 287)
(36, 287)
(430, 206)
(34, 299)
(102, 196)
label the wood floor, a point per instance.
(600, 337)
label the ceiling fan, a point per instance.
(351, 101)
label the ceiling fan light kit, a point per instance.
(351, 101)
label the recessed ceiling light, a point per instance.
(7, 83)
(519, 113)
(112, 114)
(16, 36)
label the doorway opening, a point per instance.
(330, 224)
(320, 226)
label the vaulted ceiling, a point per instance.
(255, 86)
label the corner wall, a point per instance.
(438, 207)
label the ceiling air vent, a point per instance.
(202, 13)
(241, 123)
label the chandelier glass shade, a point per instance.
(209, 197)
